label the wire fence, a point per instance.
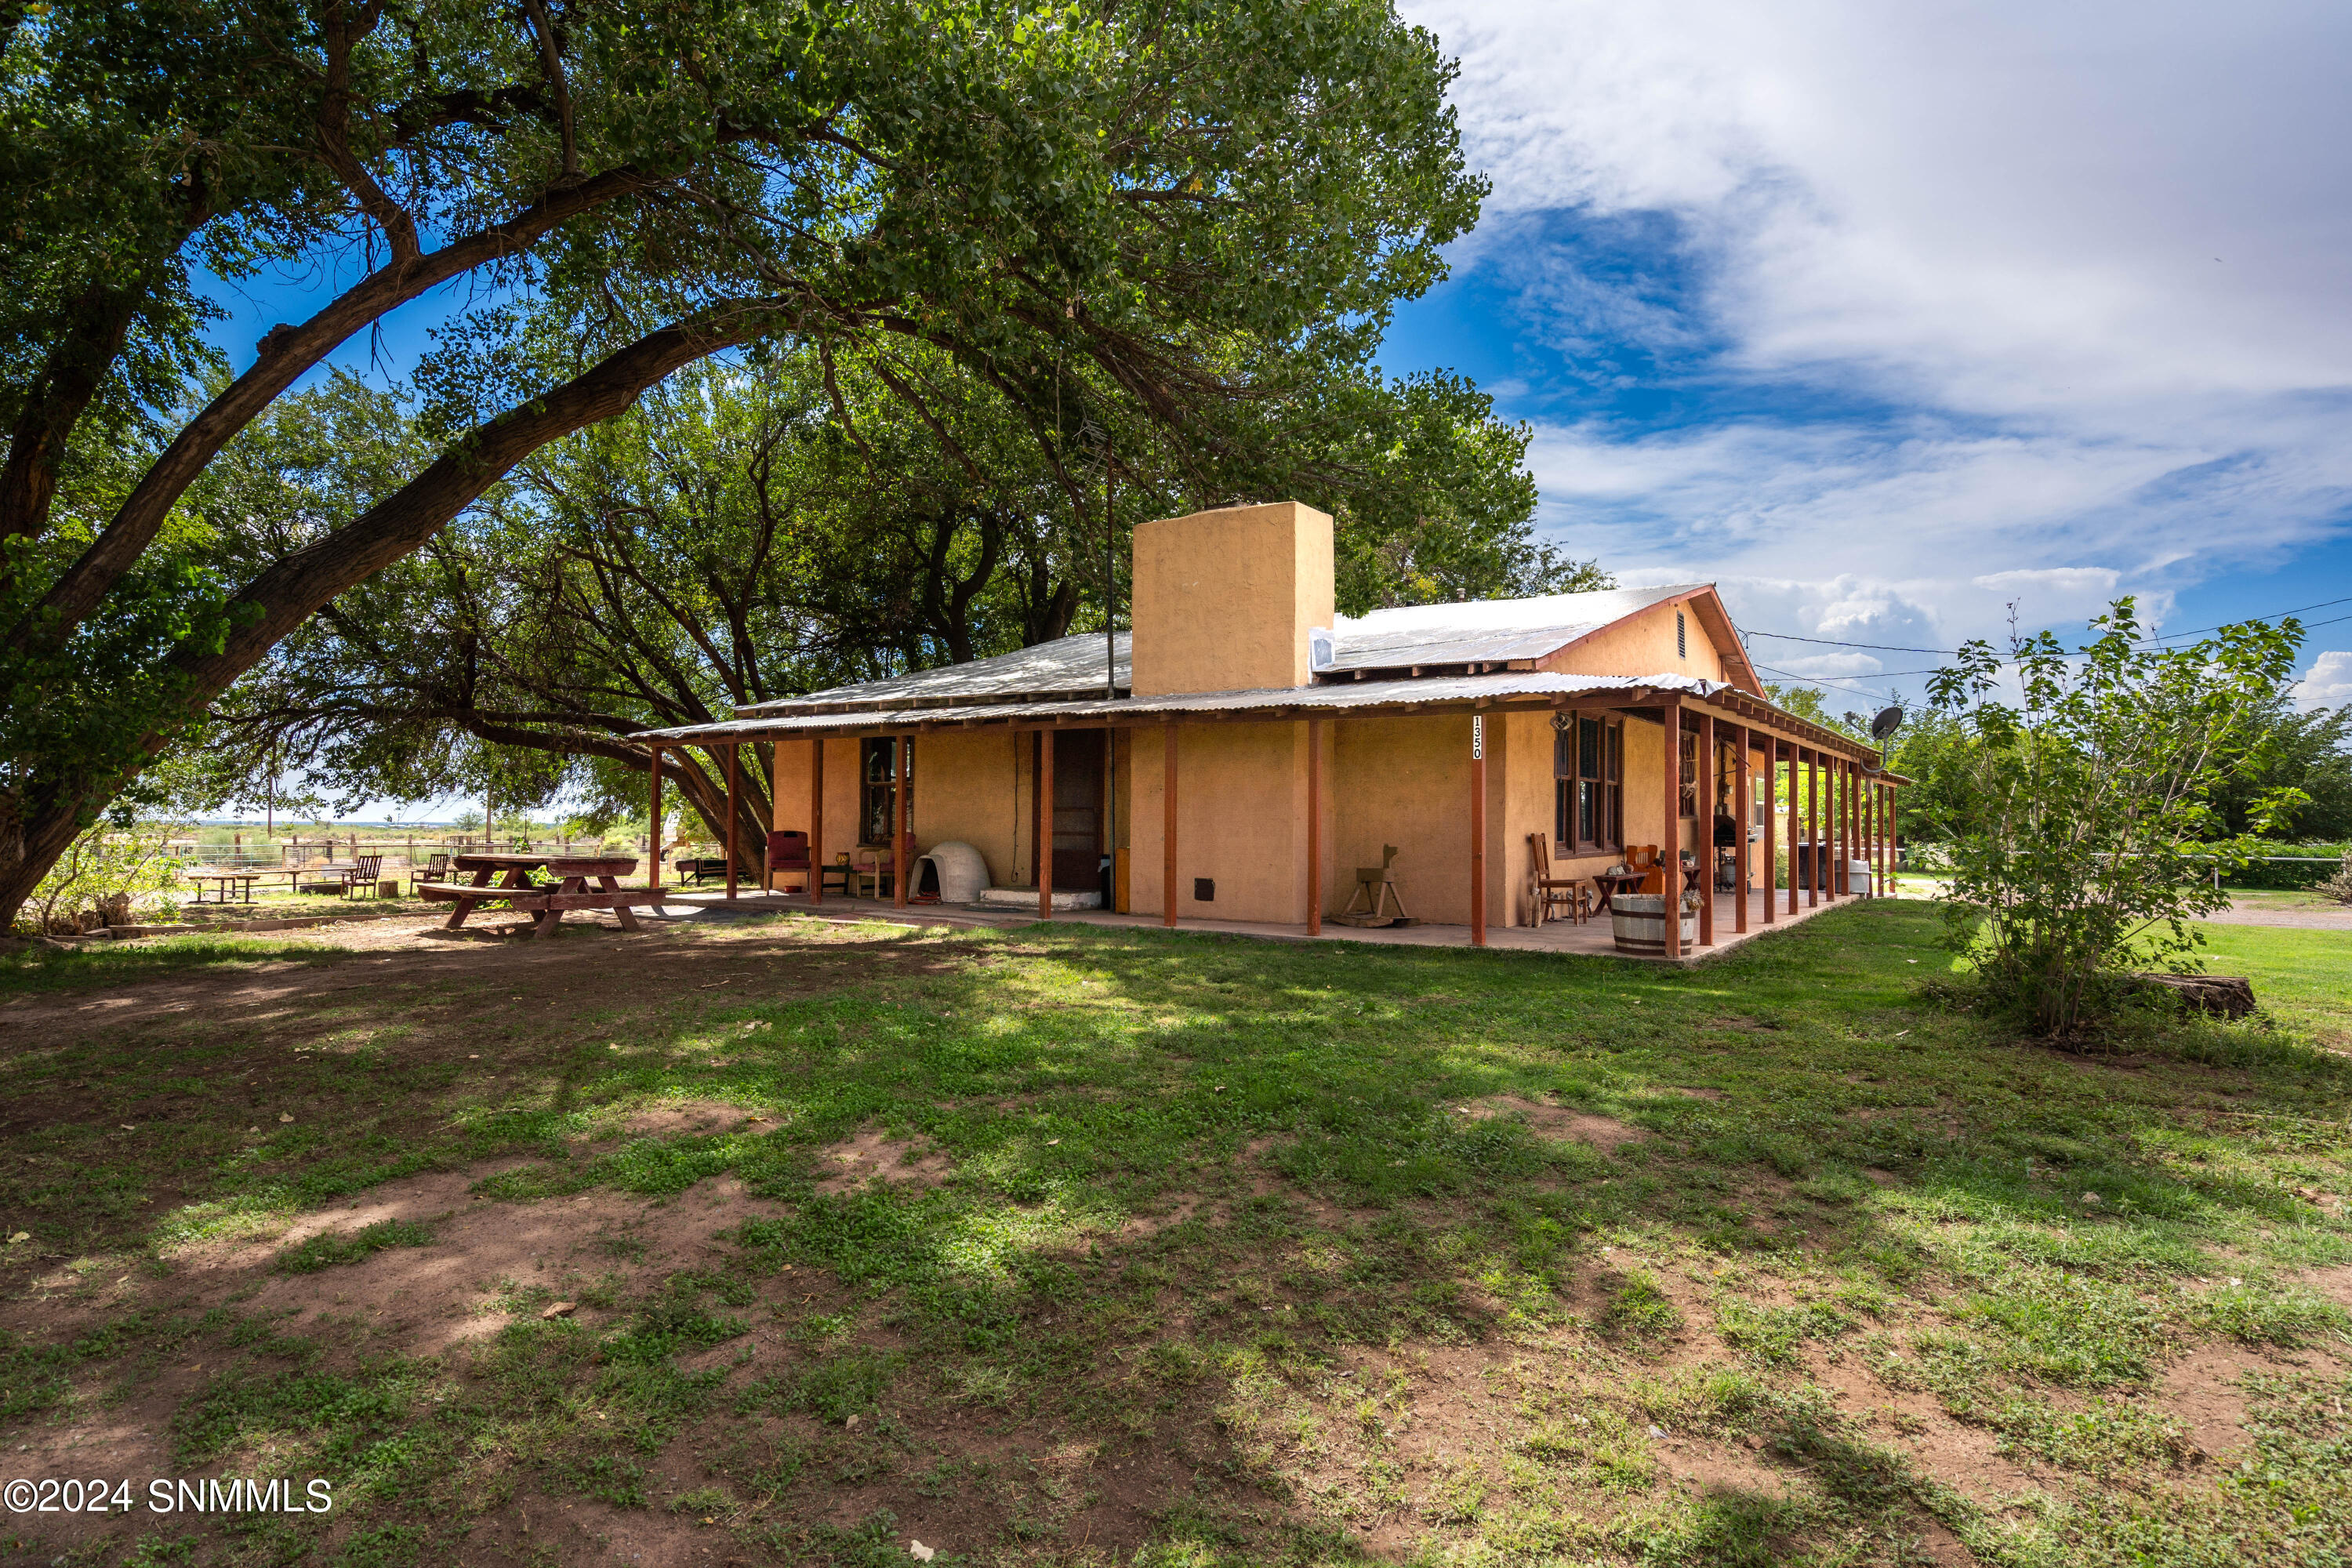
(296, 851)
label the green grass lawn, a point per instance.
(1086, 1247)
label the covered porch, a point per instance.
(1592, 940)
(1280, 797)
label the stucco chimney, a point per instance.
(1223, 600)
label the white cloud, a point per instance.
(2096, 249)
(2327, 683)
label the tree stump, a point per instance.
(2224, 995)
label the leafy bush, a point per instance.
(2086, 838)
(101, 874)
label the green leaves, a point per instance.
(2085, 830)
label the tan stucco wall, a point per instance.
(1406, 781)
(1642, 644)
(1240, 819)
(975, 788)
(1223, 600)
(791, 793)
(1528, 806)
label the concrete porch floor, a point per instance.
(1592, 938)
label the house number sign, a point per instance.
(1477, 737)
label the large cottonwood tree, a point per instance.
(1023, 188)
(746, 534)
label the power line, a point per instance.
(1954, 653)
(1833, 642)
(1823, 680)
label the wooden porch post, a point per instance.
(1772, 824)
(1168, 828)
(1845, 778)
(1832, 766)
(653, 821)
(1670, 842)
(1045, 824)
(733, 762)
(1703, 825)
(1477, 830)
(1813, 825)
(1314, 828)
(816, 819)
(1885, 837)
(1869, 835)
(1744, 789)
(898, 868)
(1893, 830)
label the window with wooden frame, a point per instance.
(1690, 773)
(1588, 781)
(877, 791)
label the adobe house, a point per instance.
(1254, 750)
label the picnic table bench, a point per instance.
(242, 880)
(547, 903)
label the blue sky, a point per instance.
(1888, 317)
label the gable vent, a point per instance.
(1682, 635)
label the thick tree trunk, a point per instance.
(288, 352)
(56, 807)
(37, 445)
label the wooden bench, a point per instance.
(547, 903)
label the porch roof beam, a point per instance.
(1639, 702)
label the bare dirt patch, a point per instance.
(871, 1157)
(2206, 1389)
(1963, 1458)
(1605, 1133)
(2336, 1284)
(687, 1117)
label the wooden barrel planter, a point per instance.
(1638, 921)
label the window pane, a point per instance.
(1588, 748)
(1616, 747)
(1559, 824)
(1562, 763)
(1586, 830)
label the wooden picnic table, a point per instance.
(221, 881)
(546, 904)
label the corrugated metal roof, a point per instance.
(1485, 631)
(1064, 667)
(1354, 695)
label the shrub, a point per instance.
(2085, 837)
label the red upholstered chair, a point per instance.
(788, 852)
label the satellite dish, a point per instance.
(1889, 720)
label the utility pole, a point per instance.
(1111, 582)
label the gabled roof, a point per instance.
(1432, 636)
(1485, 631)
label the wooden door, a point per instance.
(1077, 809)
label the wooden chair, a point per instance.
(1551, 892)
(436, 869)
(1644, 857)
(363, 873)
